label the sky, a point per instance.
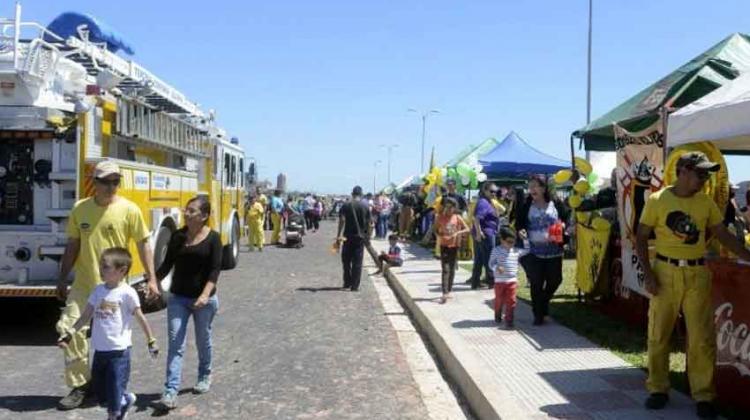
(314, 88)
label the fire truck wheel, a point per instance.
(232, 249)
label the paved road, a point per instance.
(287, 346)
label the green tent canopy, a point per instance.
(472, 153)
(700, 76)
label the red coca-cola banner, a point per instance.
(731, 296)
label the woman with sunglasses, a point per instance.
(195, 254)
(543, 265)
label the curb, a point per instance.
(470, 390)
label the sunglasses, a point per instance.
(110, 182)
(701, 174)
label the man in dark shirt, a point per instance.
(450, 185)
(354, 222)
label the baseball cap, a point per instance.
(106, 168)
(357, 190)
(450, 181)
(697, 160)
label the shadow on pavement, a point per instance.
(474, 323)
(601, 392)
(28, 322)
(27, 403)
(319, 289)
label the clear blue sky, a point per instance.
(313, 87)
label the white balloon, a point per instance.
(481, 177)
(465, 180)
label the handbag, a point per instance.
(154, 304)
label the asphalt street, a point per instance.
(289, 344)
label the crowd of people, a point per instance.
(504, 229)
(99, 231)
(501, 228)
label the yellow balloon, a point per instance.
(581, 186)
(562, 176)
(583, 166)
(574, 201)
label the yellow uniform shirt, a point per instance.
(263, 200)
(100, 228)
(680, 223)
(256, 211)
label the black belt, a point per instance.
(681, 263)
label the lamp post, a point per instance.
(588, 77)
(390, 148)
(424, 115)
(375, 174)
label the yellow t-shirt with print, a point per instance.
(100, 228)
(680, 223)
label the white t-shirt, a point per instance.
(113, 313)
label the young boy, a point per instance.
(393, 257)
(113, 306)
(504, 263)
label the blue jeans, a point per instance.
(179, 309)
(381, 228)
(110, 372)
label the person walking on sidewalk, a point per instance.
(113, 305)
(543, 265)
(195, 254)
(504, 263)
(277, 207)
(354, 223)
(449, 227)
(484, 229)
(682, 217)
(103, 221)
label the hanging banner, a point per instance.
(639, 172)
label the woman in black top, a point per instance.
(195, 254)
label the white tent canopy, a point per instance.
(722, 116)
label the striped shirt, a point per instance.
(507, 259)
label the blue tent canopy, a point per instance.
(66, 25)
(514, 157)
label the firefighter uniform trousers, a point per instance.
(276, 221)
(77, 353)
(256, 232)
(687, 288)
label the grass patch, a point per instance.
(624, 340)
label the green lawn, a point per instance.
(620, 338)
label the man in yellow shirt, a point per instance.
(255, 212)
(103, 221)
(681, 216)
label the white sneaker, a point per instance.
(130, 399)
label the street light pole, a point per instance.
(390, 148)
(424, 127)
(375, 175)
(588, 77)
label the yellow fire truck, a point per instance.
(67, 102)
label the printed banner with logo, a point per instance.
(592, 243)
(732, 317)
(640, 169)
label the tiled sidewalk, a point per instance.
(529, 372)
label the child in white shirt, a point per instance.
(504, 264)
(113, 305)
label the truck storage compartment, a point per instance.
(16, 181)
